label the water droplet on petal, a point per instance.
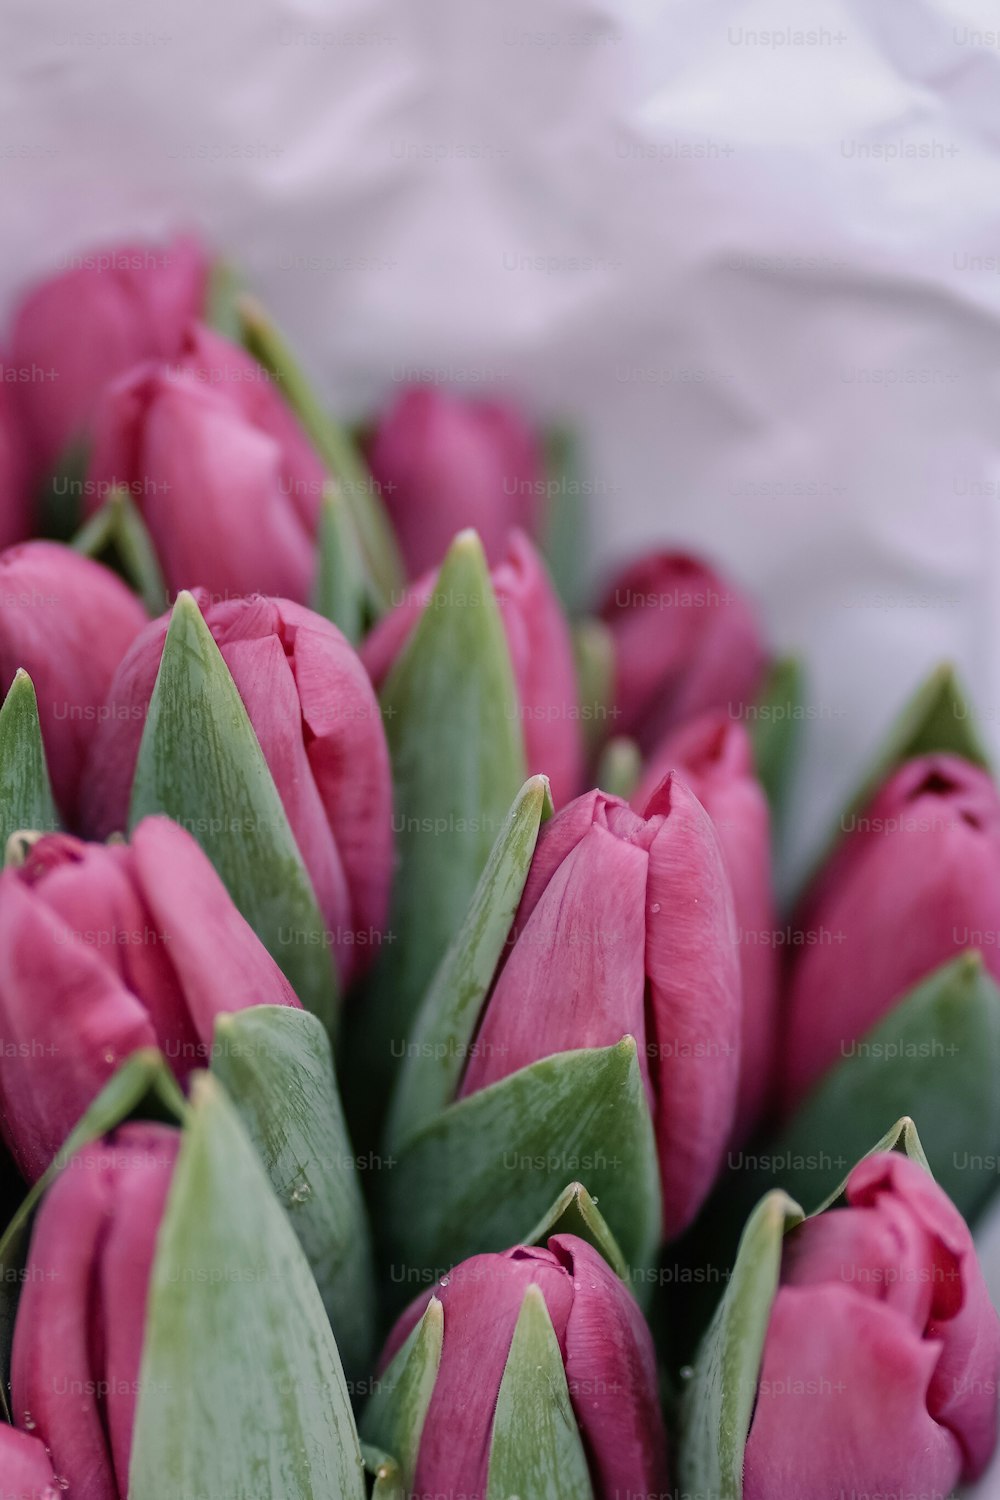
(655, 907)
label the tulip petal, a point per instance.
(24, 1465)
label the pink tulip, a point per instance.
(914, 883)
(541, 654)
(85, 326)
(607, 1354)
(104, 950)
(443, 463)
(80, 1322)
(25, 1470)
(223, 474)
(320, 728)
(15, 491)
(626, 927)
(68, 622)
(714, 757)
(883, 1352)
(685, 640)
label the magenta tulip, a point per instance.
(68, 622)
(223, 474)
(25, 1469)
(685, 640)
(443, 463)
(607, 1354)
(626, 927)
(78, 1335)
(883, 1352)
(106, 949)
(88, 324)
(320, 728)
(15, 491)
(914, 883)
(713, 755)
(541, 654)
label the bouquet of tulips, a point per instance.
(390, 960)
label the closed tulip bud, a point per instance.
(68, 622)
(914, 882)
(541, 655)
(78, 1335)
(882, 1354)
(607, 1355)
(80, 329)
(626, 927)
(685, 640)
(223, 474)
(25, 1470)
(15, 495)
(318, 722)
(713, 755)
(104, 950)
(443, 464)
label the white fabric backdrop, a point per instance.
(761, 270)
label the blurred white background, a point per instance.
(752, 250)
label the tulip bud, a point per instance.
(318, 722)
(25, 1470)
(914, 883)
(80, 1322)
(15, 496)
(82, 328)
(882, 1353)
(106, 950)
(685, 639)
(541, 655)
(626, 927)
(714, 757)
(607, 1356)
(68, 622)
(444, 464)
(223, 474)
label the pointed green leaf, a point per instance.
(225, 287)
(940, 1044)
(119, 530)
(387, 1476)
(201, 764)
(340, 593)
(277, 1068)
(449, 1014)
(142, 1077)
(25, 789)
(775, 724)
(238, 1357)
(576, 1212)
(394, 1417)
(901, 1137)
(719, 1398)
(593, 648)
(482, 1174)
(59, 507)
(451, 716)
(619, 768)
(565, 526)
(336, 448)
(536, 1448)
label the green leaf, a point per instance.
(593, 648)
(118, 528)
(719, 1398)
(238, 1358)
(565, 527)
(341, 592)
(59, 503)
(225, 287)
(620, 768)
(901, 1137)
(25, 790)
(277, 1068)
(335, 447)
(201, 764)
(451, 716)
(938, 1045)
(143, 1076)
(385, 1472)
(576, 1212)
(394, 1417)
(482, 1174)
(536, 1448)
(775, 724)
(450, 1012)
